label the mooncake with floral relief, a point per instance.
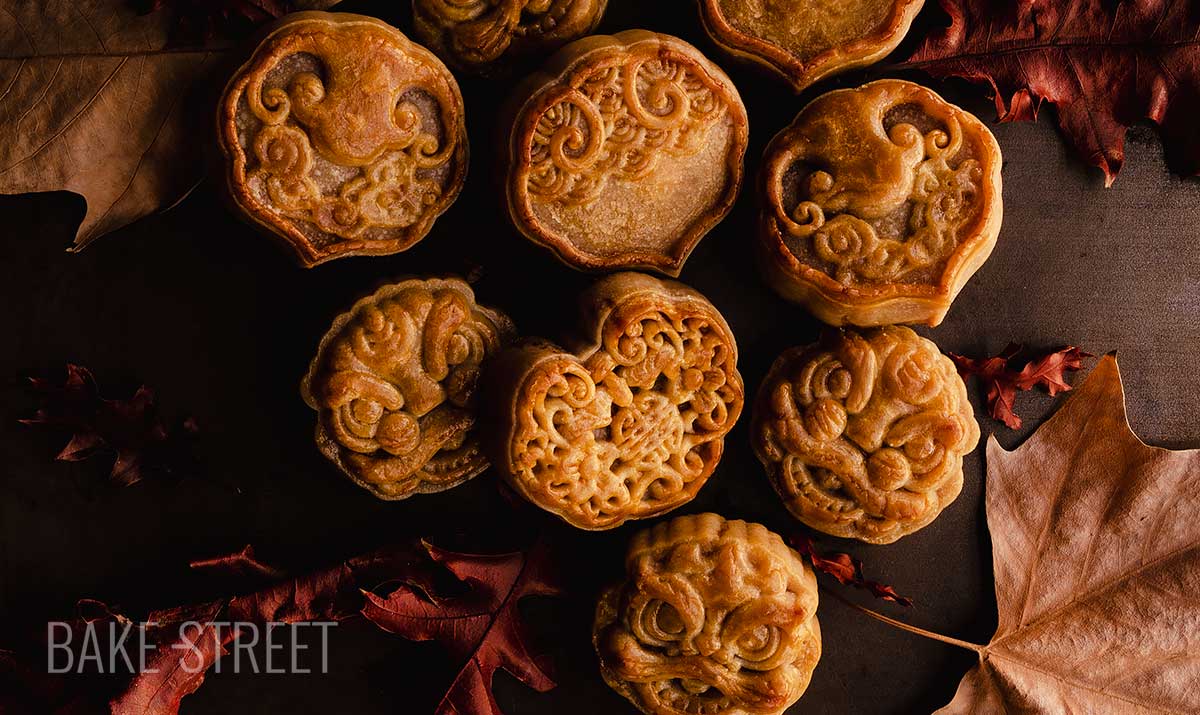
(864, 434)
(624, 152)
(715, 617)
(878, 204)
(394, 383)
(341, 137)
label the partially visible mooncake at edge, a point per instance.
(878, 204)
(624, 152)
(341, 137)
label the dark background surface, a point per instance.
(218, 321)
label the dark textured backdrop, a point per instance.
(222, 325)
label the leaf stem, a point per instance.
(905, 626)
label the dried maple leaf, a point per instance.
(481, 629)
(1104, 65)
(1002, 382)
(846, 569)
(132, 429)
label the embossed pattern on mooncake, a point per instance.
(394, 384)
(476, 35)
(880, 203)
(863, 435)
(806, 40)
(626, 152)
(715, 617)
(342, 137)
(633, 423)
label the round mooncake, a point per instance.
(863, 434)
(394, 382)
(624, 152)
(878, 204)
(631, 423)
(715, 617)
(341, 137)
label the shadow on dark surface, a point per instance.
(219, 322)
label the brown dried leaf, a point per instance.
(1096, 549)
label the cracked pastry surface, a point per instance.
(341, 137)
(878, 204)
(477, 35)
(863, 434)
(394, 382)
(624, 152)
(631, 422)
(715, 617)
(806, 40)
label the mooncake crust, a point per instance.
(484, 36)
(630, 421)
(715, 616)
(804, 67)
(863, 434)
(892, 221)
(664, 169)
(341, 137)
(394, 381)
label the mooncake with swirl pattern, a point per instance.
(341, 137)
(715, 617)
(394, 383)
(806, 40)
(864, 434)
(482, 35)
(878, 204)
(630, 421)
(624, 152)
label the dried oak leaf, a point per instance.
(1002, 382)
(132, 429)
(1104, 64)
(846, 569)
(1096, 551)
(482, 629)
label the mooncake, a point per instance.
(341, 137)
(878, 204)
(806, 40)
(478, 35)
(631, 422)
(624, 152)
(863, 434)
(715, 617)
(394, 382)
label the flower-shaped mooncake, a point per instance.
(341, 137)
(806, 40)
(625, 151)
(863, 435)
(475, 35)
(632, 423)
(715, 617)
(394, 381)
(879, 203)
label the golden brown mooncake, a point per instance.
(879, 203)
(806, 40)
(863, 434)
(624, 152)
(393, 383)
(715, 617)
(341, 137)
(476, 35)
(631, 422)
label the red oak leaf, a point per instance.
(1104, 65)
(1003, 382)
(846, 569)
(482, 628)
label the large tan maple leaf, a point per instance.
(1096, 550)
